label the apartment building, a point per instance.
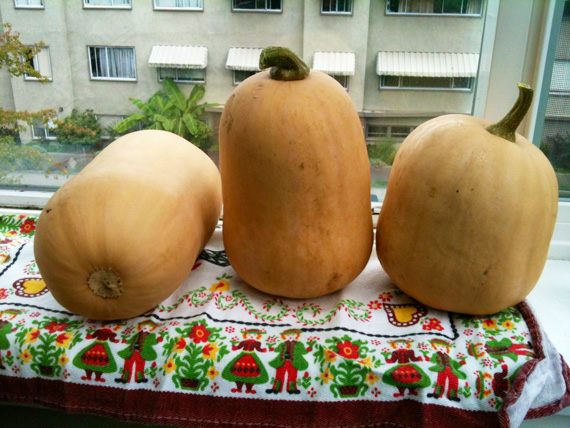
(401, 61)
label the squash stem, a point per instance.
(285, 65)
(506, 128)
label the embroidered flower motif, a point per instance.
(367, 362)
(386, 296)
(26, 356)
(210, 351)
(348, 350)
(432, 324)
(180, 345)
(199, 333)
(28, 226)
(212, 373)
(371, 378)
(4, 258)
(63, 340)
(490, 324)
(3, 293)
(376, 392)
(327, 376)
(330, 356)
(508, 324)
(54, 327)
(169, 366)
(375, 305)
(63, 360)
(221, 285)
(32, 336)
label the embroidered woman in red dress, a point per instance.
(247, 368)
(97, 357)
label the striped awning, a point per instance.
(246, 59)
(336, 63)
(179, 57)
(427, 64)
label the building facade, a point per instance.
(401, 61)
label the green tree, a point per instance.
(168, 109)
(78, 128)
(17, 58)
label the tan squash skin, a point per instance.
(296, 185)
(144, 208)
(468, 216)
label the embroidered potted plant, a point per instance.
(47, 344)
(347, 365)
(191, 355)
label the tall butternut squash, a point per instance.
(295, 179)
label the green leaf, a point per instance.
(144, 107)
(191, 123)
(196, 95)
(127, 123)
(174, 94)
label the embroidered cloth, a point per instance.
(219, 353)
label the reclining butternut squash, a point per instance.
(122, 235)
(296, 181)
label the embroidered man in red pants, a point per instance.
(447, 370)
(289, 361)
(140, 349)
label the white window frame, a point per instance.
(336, 12)
(405, 12)
(42, 64)
(179, 80)
(46, 131)
(451, 86)
(267, 9)
(178, 8)
(111, 5)
(18, 4)
(110, 78)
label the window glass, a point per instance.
(93, 75)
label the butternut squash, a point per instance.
(296, 181)
(124, 233)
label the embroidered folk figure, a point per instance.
(505, 348)
(447, 369)
(405, 375)
(247, 368)
(140, 349)
(290, 359)
(5, 329)
(97, 357)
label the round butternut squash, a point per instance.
(124, 233)
(296, 181)
(468, 214)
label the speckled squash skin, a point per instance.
(468, 216)
(296, 185)
(139, 215)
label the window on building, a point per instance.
(383, 132)
(343, 80)
(240, 75)
(125, 4)
(455, 7)
(179, 4)
(336, 6)
(420, 82)
(40, 62)
(257, 5)
(42, 131)
(112, 63)
(39, 4)
(182, 75)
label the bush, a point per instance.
(557, 150)
(382, 152)
(78, 128)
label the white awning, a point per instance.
(243, 59)
(336, 63)
(427, 64)
(179, 57)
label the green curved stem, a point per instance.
(506, 128)
(285, 65)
